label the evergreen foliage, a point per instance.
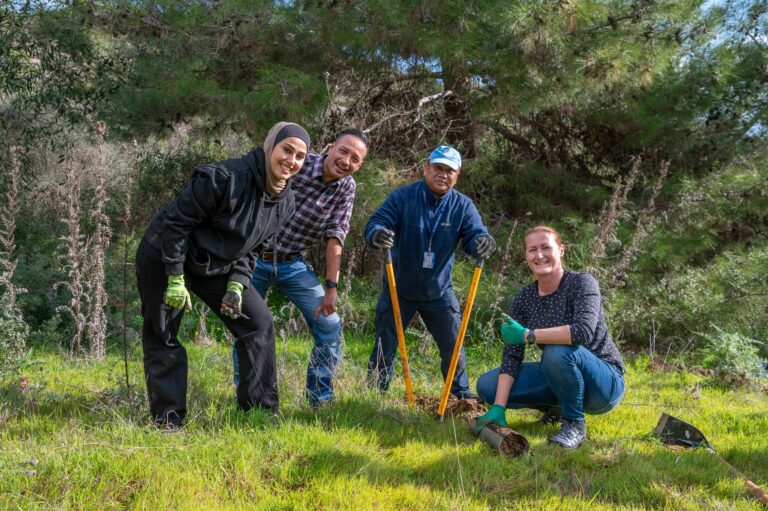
(560, 108)
(52, 69)
(732, 356)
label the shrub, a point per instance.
(162, 173)
(53, 330)
(731, 355)
(13, 337)
(729, 292)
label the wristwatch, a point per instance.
(531, 337)
(329, 284)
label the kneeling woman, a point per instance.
(207, 239)
(580, 371)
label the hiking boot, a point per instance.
(571, 434)
(551, 416)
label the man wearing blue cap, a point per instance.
(423, 223)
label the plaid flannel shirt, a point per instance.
(322, 209)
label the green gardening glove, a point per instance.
(232, 301)
(176, 294)
(495, 415)
(513, 332)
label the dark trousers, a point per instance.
(443, 320)
(165, 359)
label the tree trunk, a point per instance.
(460, 133)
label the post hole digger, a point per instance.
(395, 310)
(504, 440)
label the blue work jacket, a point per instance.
(418, 216)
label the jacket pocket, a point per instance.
(199, 262)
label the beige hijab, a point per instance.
(275, 185)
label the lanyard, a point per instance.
(431, 230)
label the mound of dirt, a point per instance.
(461, 408)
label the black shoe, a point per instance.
(377, 382)
(167, 426)
(551, 416)
(571, 434)
(171, 422)
(320, 403)
(467, 395)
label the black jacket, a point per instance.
(218, 221)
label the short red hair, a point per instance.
(544, 228)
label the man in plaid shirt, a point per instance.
(324, 191)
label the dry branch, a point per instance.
(8, 213)
(97, 311)
(415, 112)
(610, 214)
(71, 248)
(645, 224)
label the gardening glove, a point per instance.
(176, 294)
(485, 245)
(495, 415)
(383, 238)
(513, 332)
(232, 301)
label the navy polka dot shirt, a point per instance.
(577, 303)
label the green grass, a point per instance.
(73, 440)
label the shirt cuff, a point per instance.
(336, 233)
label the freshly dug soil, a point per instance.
(512, 443)
(464, 408)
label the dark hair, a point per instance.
(354, 132)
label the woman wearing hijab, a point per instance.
(207, 241)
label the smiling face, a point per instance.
(543, 254)
(440, 178)
(344, 158)
(287, 158)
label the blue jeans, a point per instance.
(567, 376)
(443, 320)
(302, 287)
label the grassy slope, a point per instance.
(71, 440)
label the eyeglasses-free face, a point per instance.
(440, 178)
(543, 254)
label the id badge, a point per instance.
(429, 260)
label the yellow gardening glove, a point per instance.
(176, 294)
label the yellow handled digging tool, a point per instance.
(399, 328)
(460, 339)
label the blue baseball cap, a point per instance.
(446, 155)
